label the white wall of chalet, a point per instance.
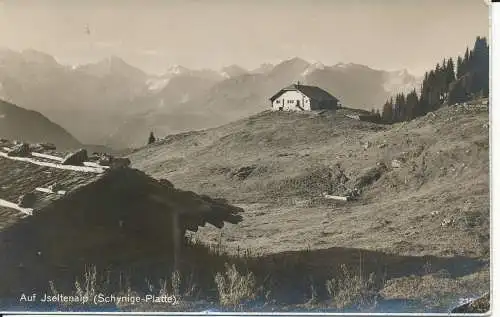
(292, 101)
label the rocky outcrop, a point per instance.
(20, 150)
(243, 172)
(105, 159)
(41, 147)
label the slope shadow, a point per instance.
(285, 278)
(299, 270)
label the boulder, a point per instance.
(120, 162)
(446, 222)
(113, 162)
(396, 163)
(243, 172)
(40, 147)
(95, 156)
(105, 160)
(20, 150)
(369, 176)
(77, 158)
(55, 187)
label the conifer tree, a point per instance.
(387, 112)
(479, 68)
(411, 105)
(151, 138)
(465, 65)
(460, 64)
(469, 78)
(450, 72)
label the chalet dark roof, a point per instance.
(20, 177)
(312, 92)
(44, 175)
(113, 217)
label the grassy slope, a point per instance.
(444, 176)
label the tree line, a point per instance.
(450, 82)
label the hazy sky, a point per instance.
(155, 34)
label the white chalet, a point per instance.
(300, 97)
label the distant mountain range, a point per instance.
(196, 104)
(113, 103)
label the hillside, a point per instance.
(421, 179)
(17, 123)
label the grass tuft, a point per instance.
(350, 289)
(235, 288)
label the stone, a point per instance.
(243, 172)
(20, 150)
(40, 147)
(77, 158)
(105, 160)
(120, 162)
(55, 187)
(46, 146)
(396, 164)
(113, 162)
(446, 222)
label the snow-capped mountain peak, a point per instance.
(157, 83)
(313, 67)
(401, 81)
(177, 70)
(233, 71)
